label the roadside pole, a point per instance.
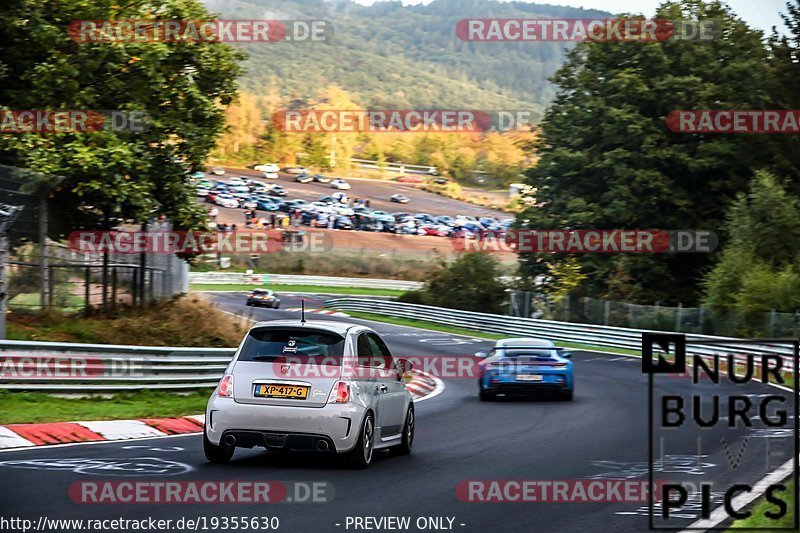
(44, 267)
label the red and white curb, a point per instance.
(28, 435)
(318, 311)
(422, 386)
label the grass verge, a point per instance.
(298, 288)
(30, 407)
(187, 321)
(424, 324)
(758, 521)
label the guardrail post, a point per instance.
(606, 309)
(679, 317)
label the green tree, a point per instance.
(470, 283)
(758, 269)
(609, 161)
(112, 176)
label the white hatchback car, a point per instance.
(315, 386)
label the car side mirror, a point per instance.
(568, 355)
(403, 366)
(481, 355)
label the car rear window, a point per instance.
(269, 344)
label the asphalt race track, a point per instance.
(602, 434)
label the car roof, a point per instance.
(333, 326)
(524, 342)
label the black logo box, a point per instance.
(674, 345)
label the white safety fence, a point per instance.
(588, 334)
(73, 367)
(222, 278)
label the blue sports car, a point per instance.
(522, 366)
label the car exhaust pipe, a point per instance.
(230, 440)
(322, 445)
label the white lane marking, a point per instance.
(122, 466)
(122, 429)
(618, 359)
(9, 439)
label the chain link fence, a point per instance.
(702, 320)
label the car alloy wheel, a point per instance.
(369, 434)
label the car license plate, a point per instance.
(529, 377)
(291, 392)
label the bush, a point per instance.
(470, 283)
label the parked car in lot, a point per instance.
(276, 190)
(340, 197)
(239, 189)
(289, 205)
(339, 183)
(201, 192)
(263, 298)
(525, 366)
(303, 178)
(235, 182)
(296, 170)
(399, 198)
(445, 220)
(321, 178)
(226, 200)
(266, 203)
(267, 167)
(248, 203)
(269, 397)
(343, 222)
(269, 175)
(217, 171)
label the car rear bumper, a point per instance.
(503, 384)
(284, 427)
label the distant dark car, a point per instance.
(303, 178)
(343, 223)
(320, 178)
(441, 181)
(399, 198)
(263, 298)
(276, 190)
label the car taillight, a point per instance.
(225, 387)
(340, 393)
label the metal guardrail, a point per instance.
(589, 334)
(219, 278)
(74, 367)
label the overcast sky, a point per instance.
(761, 14)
